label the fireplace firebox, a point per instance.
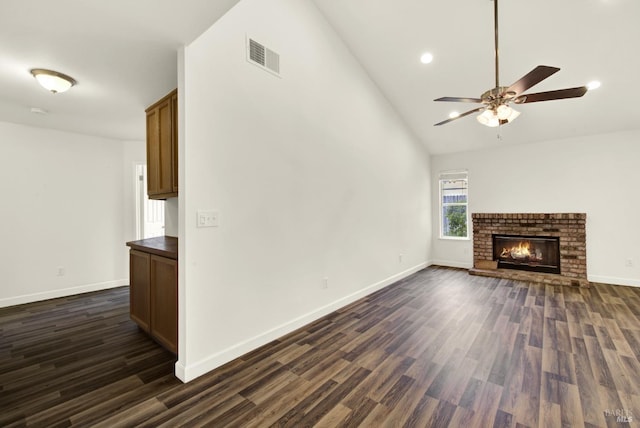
(530, 253)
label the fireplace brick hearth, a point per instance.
(569, 227)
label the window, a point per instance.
(454, 215)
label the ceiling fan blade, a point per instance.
(459, 99)
(532, 78)
(551, 95)
(467, 113)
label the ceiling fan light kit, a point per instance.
(500, 116)
(488, 118)
(496, 109)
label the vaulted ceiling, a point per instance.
(123, 53)
(587, 39)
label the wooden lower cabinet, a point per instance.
(154, 296)
(140, 288)
(164, 301)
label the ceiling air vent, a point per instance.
(263, 57)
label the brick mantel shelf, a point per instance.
(569, 227)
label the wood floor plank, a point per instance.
(571, 413)
(456, 386)
(610, 404)
(335, 417)
(462, 417)
(443, 413)
(217, 415)
(528, 407)
(329, 402)
(132, 416)
(599, 364)
(100, 396)
(296, 413)
(487, 406)
(437, 348)
(359, 412)
(514, 377)
(587, 384)
(276, 404)
(487, 358)
(550, 414)
(377, 417)
(420, 417)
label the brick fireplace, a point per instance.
(568, 228)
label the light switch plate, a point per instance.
(207, 218)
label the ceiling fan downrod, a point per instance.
(495, 36)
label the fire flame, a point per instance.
(519, 252)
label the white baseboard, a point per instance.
(592, 278)
(63, 292)
(187, 373)
(452, 263)
(614, 280)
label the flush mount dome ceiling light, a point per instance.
(52, 80)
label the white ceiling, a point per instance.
(123, 54)
(587, 39)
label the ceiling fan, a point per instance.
(496, 109)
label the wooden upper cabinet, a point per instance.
(174, 145)
(162, 148)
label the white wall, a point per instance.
(314, 175)
(171, 218)
(63, 206)
(597, 175)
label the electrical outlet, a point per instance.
(325, 283)
(61, 271)
(628, 263)
(400, 257)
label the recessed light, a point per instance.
(426, 58)
(593, 85)
(453, 115)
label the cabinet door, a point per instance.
(165, 166)
(153, 151)
(174, 140)
(164, 301)
(139, 283)
(160, 150)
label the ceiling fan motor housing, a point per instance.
(497, 96)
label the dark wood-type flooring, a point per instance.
(440, 348)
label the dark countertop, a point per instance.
(165, 246)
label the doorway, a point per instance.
(149, 212)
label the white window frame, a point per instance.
(452, 175)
